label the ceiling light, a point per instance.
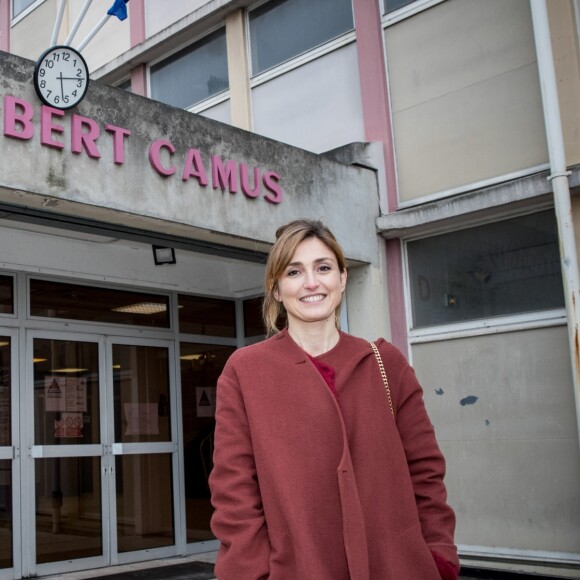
(191, 357)
(68, 370)
(142, 308)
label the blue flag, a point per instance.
(118, 9)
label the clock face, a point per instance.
(61, 77)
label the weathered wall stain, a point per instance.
(472, 399)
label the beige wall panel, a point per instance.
(220, 112)
(465, 95)
(503, 409)
(575, 201)
(567, 62)
(30, 37)
(315, 106)
(470, 135)
(160, 15)
(515, 494)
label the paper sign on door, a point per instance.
(205, 399)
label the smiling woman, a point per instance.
(308, 451)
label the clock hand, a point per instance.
(60, 78)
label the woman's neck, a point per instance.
(314, 339)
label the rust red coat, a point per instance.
(305, 487)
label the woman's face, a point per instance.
(311, 286)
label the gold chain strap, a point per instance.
(383, 375)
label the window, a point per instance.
(19, 6)
(392, 5)
(78, 302)
(6, 295)
(194, 74)
(504, 268)
(207, 316)
(283, 29)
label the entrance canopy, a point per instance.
(129, 162)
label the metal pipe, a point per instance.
(93, 32)
(559, 178)
(77, 23)
(58, 22)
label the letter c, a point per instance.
(155, 160)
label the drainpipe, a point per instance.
(559, 178)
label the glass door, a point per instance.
(67, 464)
(9, 452)
(102, 454)
(144, 448)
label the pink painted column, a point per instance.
(139, 80)
(377, 126)
(138, 34)
(5, 25)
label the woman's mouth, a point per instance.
(313, 298)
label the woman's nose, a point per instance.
(310, 280)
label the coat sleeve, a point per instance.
(424, 458)
(238, 520)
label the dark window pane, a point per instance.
(78, 302)
(66, 392)
(193, 74)
(207, 316)
(5, 392)
(68, 506)
(6, 295)
(201, 365)
(144, 502)
(508, 267)
(391, 5)
(253, 324)
(283, 29)
(6, 514)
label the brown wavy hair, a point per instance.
(288, 237)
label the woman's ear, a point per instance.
(343, 277)
(276, 294)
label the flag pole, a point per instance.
(93, 32)
(78, 22)
(58, 22)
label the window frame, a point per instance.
(406, 11)
(479, 326)
(299, 59)
(111, 328)
(14, 19)
(208, 102)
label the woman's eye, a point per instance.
(292, 273)
(324, 268)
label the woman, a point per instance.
(314, 477)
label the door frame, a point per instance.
(120, 449)
(106, 449)
(13, 453)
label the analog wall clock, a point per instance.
(61, 77)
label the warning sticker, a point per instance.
(55, 393)
(205, 398)
(69, 425)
